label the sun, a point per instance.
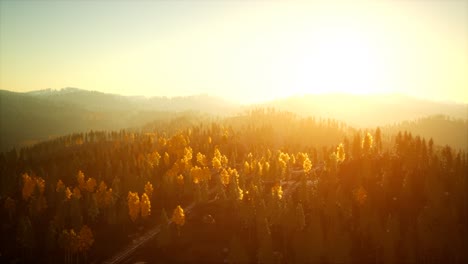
(340, 61)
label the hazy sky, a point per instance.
(242, 50)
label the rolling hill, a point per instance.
(28, 118)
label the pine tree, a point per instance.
(237, 252)
(300, 217)
(25, 235)
(378, 139)
(367, 143)
(75, 213)
(315, 241)
(164, 237)
(10, 207)
(93, 208)
(265, 249)
(51, 240)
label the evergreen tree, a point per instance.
(237, 252)
(265, 243)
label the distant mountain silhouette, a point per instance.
(98, 101)
(27, 118)
(368, 110)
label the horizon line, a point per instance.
(256, 102)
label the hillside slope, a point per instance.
(27, 118)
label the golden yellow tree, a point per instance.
(266, 167)
(224, 175)
(91, 185)
(68, 193)
(108, 197)
(246, 167)
(80, 178)
(145, 206)
(39, 201)
(340, 153)
(133, 205)
(186, 162)
(219, 160)
(216, 163)
(153, 159)
(85, 239)
(249, 157)
(76, 193)
(234, 174)
(28, 186)
(253, 166)
(224, 161)
(307, 164)
(166, 159)
(162, 142)
(178, 217)
(188, 153)
(277, 191)
(180, 179)
(201, 159)
(234, 184)
(283, 160)
(259, 168)
(149, 189)
(101, 194)
(40, 183)
(60, 187)
(196, 173)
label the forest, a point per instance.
(31, 117)
(264, 186)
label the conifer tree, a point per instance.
(237, 252)
(265, 244)
(164, 237)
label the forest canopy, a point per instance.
(303, 190)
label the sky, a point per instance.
(245, 51)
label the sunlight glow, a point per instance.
(341, 62)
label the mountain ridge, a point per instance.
(38, 115)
